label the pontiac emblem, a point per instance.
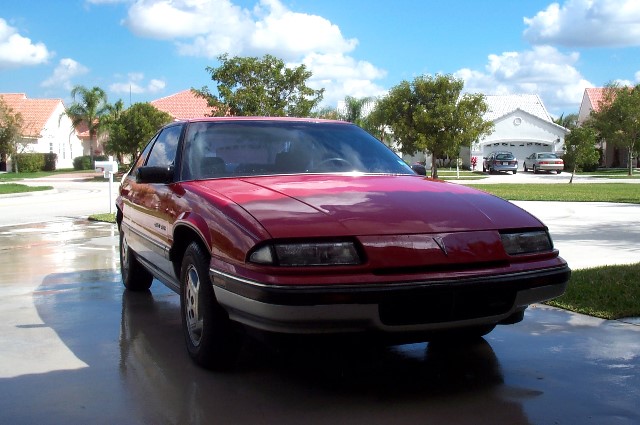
(440, 242)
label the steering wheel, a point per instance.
(338, 163)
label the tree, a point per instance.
(10, 131)
(580, 149)
(253, 86)
(431, 114)
(618, 119)
(570, 121)
(90, 106)
(134, 127)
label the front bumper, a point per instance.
(391, 308)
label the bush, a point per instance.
(82, 163)
(50, 161)
(28, 162)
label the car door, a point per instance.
(149, 208)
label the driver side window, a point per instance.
(163, 153)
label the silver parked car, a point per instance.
(544, 161)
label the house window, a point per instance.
(50, 147)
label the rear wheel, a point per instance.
(209, 334)
(134, 276)
(535, 170)
(558, 171)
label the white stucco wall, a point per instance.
(59, 137)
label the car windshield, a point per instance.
(504, 156)
(249, 148)
(547, 155)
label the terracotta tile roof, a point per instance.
(35, 112)
(183, 105)
(596, 97)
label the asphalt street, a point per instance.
(76, 348)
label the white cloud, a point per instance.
(209, 28)
(342, 75)
(543, 70)
(171, 19)
(586, 23)
(66, 70)
(135, 84)
(17, 51)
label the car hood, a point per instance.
(339, 205)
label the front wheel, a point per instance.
(134, 276)
(209, 334)
(525, 168)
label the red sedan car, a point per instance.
(305, 226)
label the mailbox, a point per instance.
(107, 167)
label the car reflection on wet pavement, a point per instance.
(76, 348)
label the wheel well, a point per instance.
(182, 238)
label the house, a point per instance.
(95, 147)
(183, 105)
(522, 126)
(46, 128)
(592, 101)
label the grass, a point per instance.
(608, 292)
(599, 192)
(451, 174)
(7, 188)
(105, 217)
(34, 175)
(612, 173)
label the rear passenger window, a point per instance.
(163, 153)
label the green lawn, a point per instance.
(6, 188)
(20, 176)
(582, 192)
(105, 217)
(609, 292)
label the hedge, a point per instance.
(84, 162)
(28, 162)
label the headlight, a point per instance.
(526, 242)
(307, 254)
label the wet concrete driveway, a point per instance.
(75, 348)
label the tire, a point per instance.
(209, 335)
(515, 171)
(525, 168)
(134, 276)
(535, 170)
(558, 171)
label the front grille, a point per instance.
(445, 304)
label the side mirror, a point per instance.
(152, 174)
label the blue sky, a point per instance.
(141, 50)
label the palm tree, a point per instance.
(90, 107)
(355, 109)
(570, 121)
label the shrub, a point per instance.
(82, 163)
(50, 161)
(28, 162)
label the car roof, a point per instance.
(262, 118)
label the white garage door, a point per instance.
(520, 150)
